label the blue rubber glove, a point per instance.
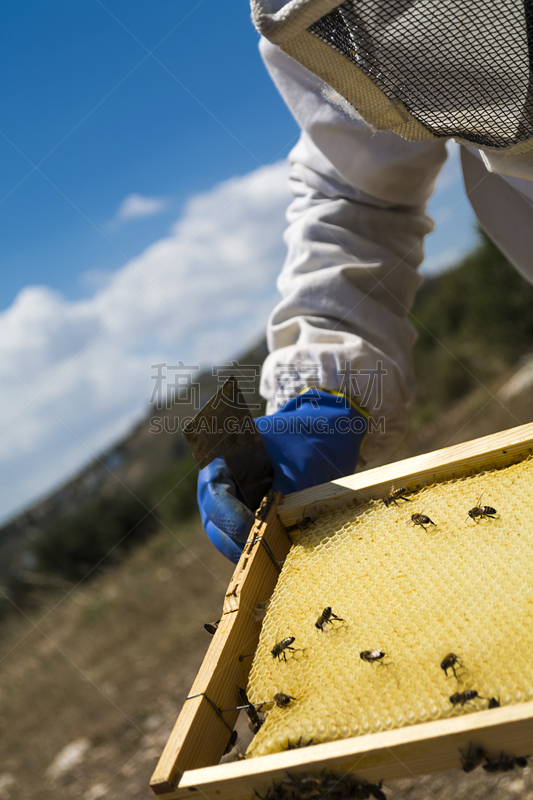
(312, 439)
(226, 520)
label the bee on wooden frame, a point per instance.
(278, 651)
(299, 743)
(326, 617)
(305, 522)
(422, 520)
(372, 655)
(472, 758)
(302, 524)
(265, 506)
(254, 718)
(481, 512)
(282, 700)
(376, 791)
(461, 698)
(504, 763)
(449, 662)
(394, 496)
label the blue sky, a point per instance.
(139, 142)
(104, 119)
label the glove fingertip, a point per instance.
(223, 543)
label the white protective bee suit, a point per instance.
(358, 221)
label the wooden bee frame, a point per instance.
(190, 759)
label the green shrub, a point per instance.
(71, 545)
(473, 322)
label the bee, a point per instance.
(254, 718)
(376, 791)
(309, 783)
(505, 763)
(232, 742)
(297, 744)
(372, 655)
(394, 496)
(460, 698)
(449, 663)
(422, 520)
(481, 511)
(326, 616)
(473, 757)
(211, 627)
(304, 523)
(305, 788)
(264, 508)
(491, 766)
(494, 702)
(360, 791)
(282, 700)
(279, 649)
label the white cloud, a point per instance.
(199, 295)
(136, 205)
(94, 279)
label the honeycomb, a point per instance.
(461, 586)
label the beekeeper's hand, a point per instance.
(312, 439)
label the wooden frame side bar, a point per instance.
(401, 753)
(200, 734)
(489, 452)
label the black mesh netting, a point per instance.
(460, 68)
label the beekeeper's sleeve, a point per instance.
(355, 241)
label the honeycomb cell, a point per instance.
(463, 587)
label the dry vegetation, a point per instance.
(107, 666)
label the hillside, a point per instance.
(131, 486)
(98, 657)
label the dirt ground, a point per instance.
(104, 670)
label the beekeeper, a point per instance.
(377, 87)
